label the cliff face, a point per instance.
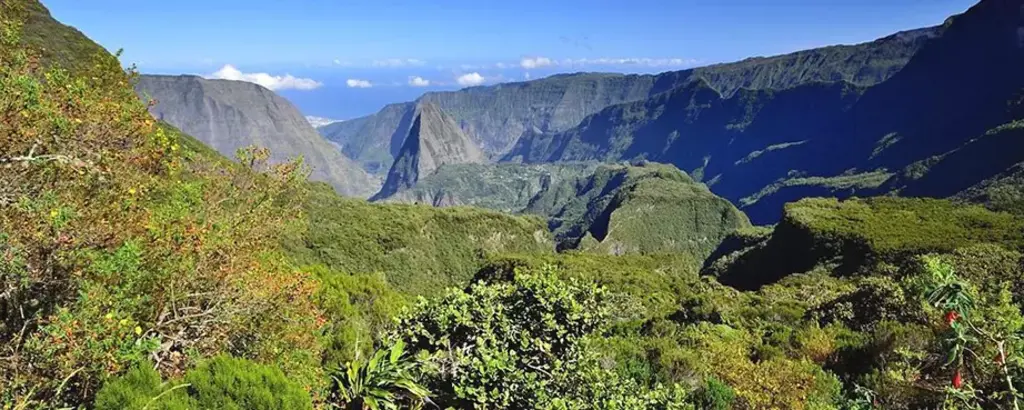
(434, 140)
(228, 115)
(922, 132)
(497, 117)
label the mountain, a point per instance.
(434, 140)
(641, 208)
(606, 208)
(495, 117)
(228, 115)
(763, 148)
(502, 187)
(58, 44)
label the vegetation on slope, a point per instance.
(501, 187)
(140, 270)
(121, 248)
(643, 208)
(858, 235)
(420, 249)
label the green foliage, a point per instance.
(521, 342)
(859, 236)
(906, 225)
(714, 395)
(505, 343)
(118, 245)
(356, 308)
(420, 250)
(385, 381)
(223, 382)
(643, 286)
(142, 388)
(226, 382)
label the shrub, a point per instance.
(226, 382)
(141, 388)
(714, 395)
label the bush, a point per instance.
(142, 388)
(229, 383)
(714, 395)
(223, 382)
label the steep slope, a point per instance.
(373, 141)
(642, 208)
(434, 140)
(420, 250)
(738, 145)
(497, 116)
(763, 148)
(57, 43)
(856, 236)
(228, 115)
(502, 187)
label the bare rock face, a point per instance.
(434, 139)
(228, 115)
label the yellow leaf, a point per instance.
(138, 330)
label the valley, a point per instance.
(835, 228)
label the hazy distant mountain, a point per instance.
(495, 117)
(318, 122)
(434, 140)
(228, 115)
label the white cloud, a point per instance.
(469, 80)
(273, 82)
(647, 62)
(418, 82)
(501, 65)
(398, 62)
(354, 83)
(535, 62)
(526, 75)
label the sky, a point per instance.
(342, 59)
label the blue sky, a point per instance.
(347, 58)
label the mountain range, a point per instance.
(908, 114)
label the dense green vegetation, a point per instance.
(418, 249)
(141, 270)
(501, 187)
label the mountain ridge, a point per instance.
(228, 115)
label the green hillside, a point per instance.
(419, 249)
(139, 269)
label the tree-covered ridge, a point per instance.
(639, 208)
(419, 249)
(502, 187)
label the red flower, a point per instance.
(958, 380)
(951, 317)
